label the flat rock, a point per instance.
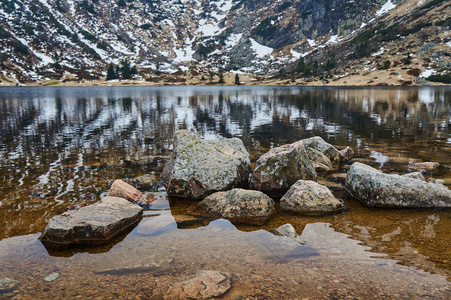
(279, 168)
(244, 206)
(120, 264)
(93, 224)
(309, 197)
(203, 285)
(8, 284)
(198, 168)
(124, 190)
(374, 188)
(52, 277)
(424, 165)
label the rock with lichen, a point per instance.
(279, 168)
(309, 197)
(198, 168)
(239, 205)
(374, 188)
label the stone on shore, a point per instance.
(93, 224)
(243, 206)
(377, 189)
(279, 168)
(429, 165)
(309, 197)
(124, 190)
(198, 168)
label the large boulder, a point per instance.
(374, 188)
(93, 224)
(198, 168)
(244, 206)
(279, 168)
(309, 197)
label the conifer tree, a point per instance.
(237, 79)
(221, 78)
(126, 71)
(111, 74)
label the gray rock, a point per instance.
(198, 168)
(279, 168)
(309, 197)
(320, 161)
(52, 277)
(428, 165)
(288, 231)
(93, 224)
(374, 188)
(317, 143)
(8, 284)
(244, 206)
(347, 153)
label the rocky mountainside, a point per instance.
(77, 39)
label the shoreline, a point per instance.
(374, 79)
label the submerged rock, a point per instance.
(203, 285)
(198, 168)
(279, 168)
(244, 206)
(124, 190)
(288, 231)
(374, 188)
(93, 224)
(52, 277)
(309, 197)
(8, 284)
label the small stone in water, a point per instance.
(8, 284)
(52, 277)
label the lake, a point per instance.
(61, 148)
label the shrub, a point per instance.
(414, 72)
(445, 78)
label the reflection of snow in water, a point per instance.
(379, 157)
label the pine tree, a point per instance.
(221, 78)
(126, 71)
(134, 70)
(111, 74)
(56, 60)
(300, 67)
(237, 79)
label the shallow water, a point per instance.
(61, 148)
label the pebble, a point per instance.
(52, 277)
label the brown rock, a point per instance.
(204, 285)
(424, 165)
(124, 190)
(347, 153)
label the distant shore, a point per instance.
(376, 78)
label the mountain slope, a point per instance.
(59, 39)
